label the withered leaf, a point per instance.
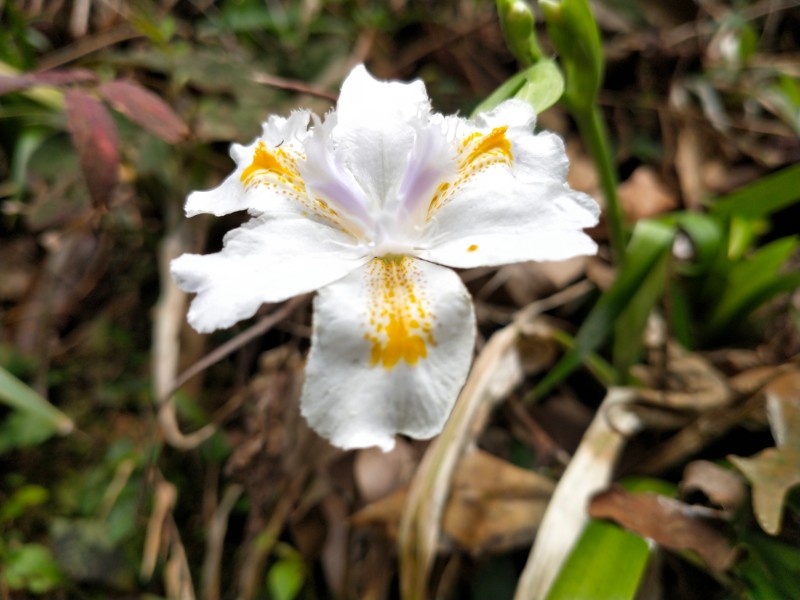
(146, 109)
(723, 487)
(774, 471)
(15, 83)
(668, 522)
(94, 135)
(493, 506)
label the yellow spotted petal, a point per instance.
(391, 348)
(267, 178)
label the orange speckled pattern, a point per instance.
(400, 321)
(477, 152)
(278, 169)
(272, 168)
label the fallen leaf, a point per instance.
(668, 522)
(644, 194)
(94, 135)
(690, 383)
(774, 471)
(146, 109)
(723, 487)
(493, 506)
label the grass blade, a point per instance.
(762, 197)
(19, 396)
(650, 242)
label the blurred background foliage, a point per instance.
(112, 112)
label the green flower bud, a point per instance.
(576, 38)
(516, 21)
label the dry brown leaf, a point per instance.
(689, 163)
(774, 471)
(668, 522)
(644, 194)
(722, 487)
(690, 382)
(494, 506)
(530, 281)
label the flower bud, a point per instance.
(516, 21)
(576, 38)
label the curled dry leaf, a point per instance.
(15, 83)
(690, 383)
(146, 109)
(774, 471)
(722, 487)
(94, 135)
(668, 522)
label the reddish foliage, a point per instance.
(16, 83)
(146, 109)
(95, 137)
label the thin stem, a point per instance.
(594, 134)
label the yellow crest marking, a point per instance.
(399, 318)
(477, 152)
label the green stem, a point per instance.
(594, 134)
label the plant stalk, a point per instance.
(594, 134)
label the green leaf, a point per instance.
(629, 327)
(769, 571)
(707, 236)
(543, 86)
(23, 430)
(21, 500)
(762, 197)
(506, 90)
(285, 578)
(752, 282)
(650, 241)
(19, 396)
(608, 562)
(594, 570)
(680, 315)
(31, 567)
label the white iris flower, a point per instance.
(370, 206)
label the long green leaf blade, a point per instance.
(19, 396)
(762, 197)
(650, 241)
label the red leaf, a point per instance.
(145, 108)
(95, 138)
(15, 83)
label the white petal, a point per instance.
(375, 130)
(268, 259)
(509, 201)
(391, 348)
(254, 185)
(499, 220)
(328, 179)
